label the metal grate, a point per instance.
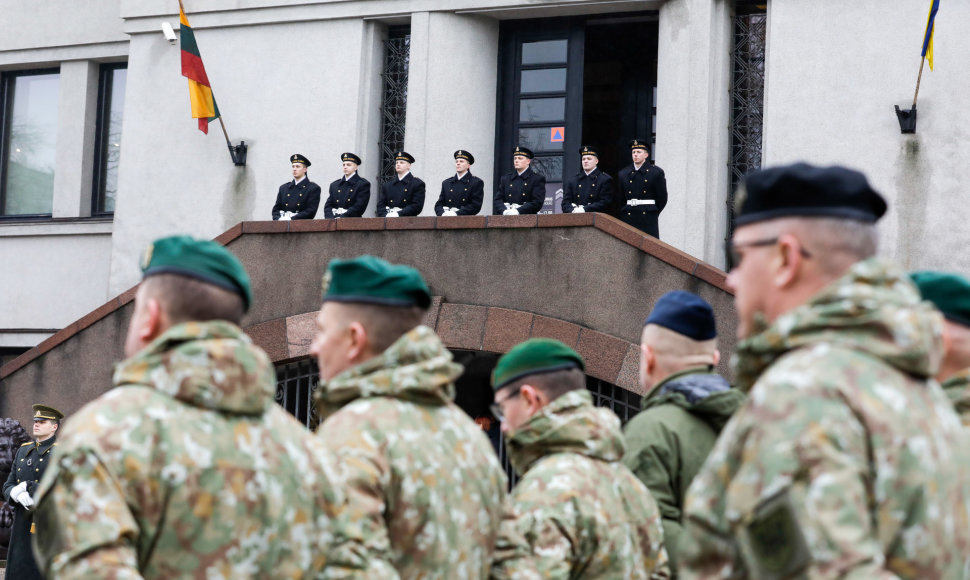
(747, 98)
(295, 383)
(397, 56)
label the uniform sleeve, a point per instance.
(605, 201)
(381, 210)
(361, 198)
(532, 544)
(569, 196)
(278, 206)
(312, 203)
(475, 195)
(440, 204)
(84, 528)
(660, 189)
(537, 195)
(328, 205)
(11, 478)
(498, 200)
(417, 199)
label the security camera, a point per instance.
(169, 33)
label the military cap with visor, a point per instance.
(589, 150)
(403, 156)
(350, 157)
(803, 190)
(533, 357)
(298, 158)
(950, 293)
(46, 413)
(523, 152)
(639, 144)
(203, 260)
(686, 314)
(371, 280)
(462, 154)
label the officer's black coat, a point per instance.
(29, 465)
(466, 194)
(352, 195)
(302, 198)
(593, 191)
(528, 189)
(646, 183)
(407, 194)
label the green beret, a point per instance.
(533, 357)
(200, 259)
(42, 412)
(948, 292)
(371, 280)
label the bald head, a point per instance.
(664, 352)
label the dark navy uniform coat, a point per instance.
(528, 190)
(646, 183)
(350, 194)
(302, 198)
(407, 194)
(29, 465)
(466, 194)
(594, 192)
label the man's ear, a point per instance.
(535, 399)
(154, 322)
(717, 357)
(649, 358)
(790, 261)
(359, 342)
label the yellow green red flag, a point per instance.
(204, 106)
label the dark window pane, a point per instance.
(532, 110)
(112, 116)
(546, 51)
(539, 139)
(544, 80)
(550, 167)
(31, 143)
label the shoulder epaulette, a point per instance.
(27, 443)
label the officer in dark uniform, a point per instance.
(522, 191)
(645, 189)
(589, 190)
(300, 198)
(28, 467)
(462, 193)
(349, 194)
(403, 196)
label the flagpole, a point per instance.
(918, 79)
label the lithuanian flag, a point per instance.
(204, 106)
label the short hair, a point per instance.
(554, 383)
(384, 324)
(835, 242)
(675, 349)
(187, 299)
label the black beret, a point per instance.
(803, 190)
(589, 150)
(639, 144)
(403, 156)
(685, 313)
(350, 157)
(462, 154)
(297, 158)
(523, 152)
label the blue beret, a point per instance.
(685, 313)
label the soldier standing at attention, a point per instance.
(403, 195)
(29, 465)
(644, 187)
(423, 482)
(846, 460)
(349, 194)
(300, 198)
(188, 468)
(577, 512)
(686, 405)
(462, 193)
(950, 293)
(590, 190)
(522, 191)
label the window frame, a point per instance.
(99, 175)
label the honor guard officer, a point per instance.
(589, 190)
(521, 191)
(349, 194)
(300, 198)
(29, 465)
(403, 196)
(645, 188)
(462, 193)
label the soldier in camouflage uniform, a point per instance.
(950, 293)
(423, 482)
(188, 468)
(577, 512)
(846, 460)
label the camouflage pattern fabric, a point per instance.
(577, 512)
(423, 481)
(188, 469)
(847, 460)
(957, 388)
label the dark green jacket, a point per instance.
(668, 441)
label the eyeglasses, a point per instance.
(734, 247)
(496, 407)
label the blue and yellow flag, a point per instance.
(928, 37)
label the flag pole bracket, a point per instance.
(907, 120)
(238, 153)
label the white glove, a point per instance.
(579, 209)
(393, 212)
(339, 212)
(450, 212)
(20, 495)
(286, 216)
(510, 212)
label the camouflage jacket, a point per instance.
(846, 460)
(188, 469)
(957, 389)
(577, 512)
(423, 481)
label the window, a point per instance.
(28, 121)
(111, 105)
(397, 60)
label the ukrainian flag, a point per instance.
(928, 36)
